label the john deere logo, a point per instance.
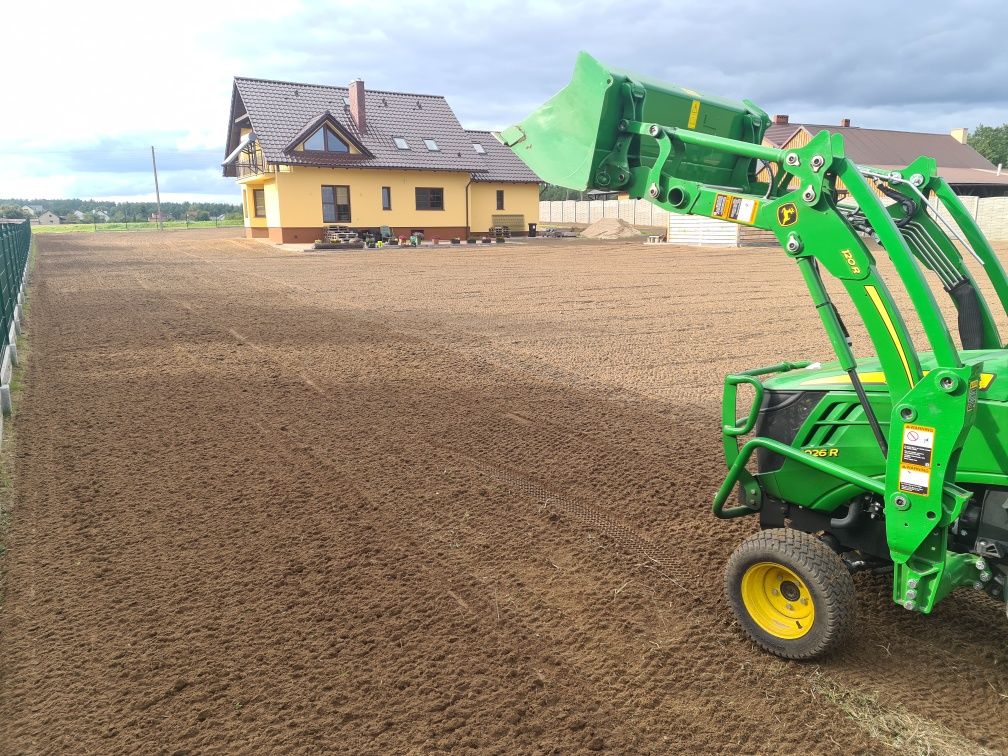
(787, 214)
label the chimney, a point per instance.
(845, 123)
(357, 105)
(960, 135)
(780, 120)
(999, 169)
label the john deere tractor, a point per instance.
(896, 462)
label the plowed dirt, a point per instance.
(426, 500)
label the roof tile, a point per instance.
(499, 162)
(279, 111)
(878, 147)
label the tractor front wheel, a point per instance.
(792, 594)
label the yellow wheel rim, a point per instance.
(778, 600)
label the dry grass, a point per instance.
(905, 732)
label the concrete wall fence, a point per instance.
(15, 246)
(991, 214)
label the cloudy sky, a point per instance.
(91, 86)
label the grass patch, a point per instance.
(906, 733)
(85, 228)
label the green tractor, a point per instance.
(896, 462)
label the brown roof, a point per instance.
(499, 162)
(279, 111)
(779, 133)
(958, 163)
(884, 147)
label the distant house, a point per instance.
(306, 156)
(28, 210)
(48, 218)
(966, 170)
(101, 216)
(164, 217)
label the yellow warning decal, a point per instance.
(915, 459)
(735, 209)
(694, 113)
(878, 377)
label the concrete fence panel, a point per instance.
(992, 217)
(701, 230)
(642, 213)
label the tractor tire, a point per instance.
(791, 593)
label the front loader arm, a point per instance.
(699, 156)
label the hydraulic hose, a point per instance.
(908, 205)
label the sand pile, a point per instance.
(610, 228)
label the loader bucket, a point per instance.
(566, 140)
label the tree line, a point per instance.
(120, 212)
(991, 142)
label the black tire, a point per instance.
(824, 583)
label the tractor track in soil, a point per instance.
(338, 502)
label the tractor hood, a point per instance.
(830, 376)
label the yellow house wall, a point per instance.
(268, 185)
(519, 199)
(300, 193)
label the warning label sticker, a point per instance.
(914, 480)
(915, 459)
(971, 397)
(694, 113)
(737, 209)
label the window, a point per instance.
(428, 198)
(335, 204)
(386, 198)
(431, 145)
(259, 195)
(401, 143)
(479, 148)
(500, 199)
(325, 139)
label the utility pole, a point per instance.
(157, 191)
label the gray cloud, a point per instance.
(927, 66)
(931, 60)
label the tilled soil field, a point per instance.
(414, 501)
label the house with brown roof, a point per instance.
(307, 156)
(967, 171)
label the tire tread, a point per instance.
(823, 572)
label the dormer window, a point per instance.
(324, 139)
(401, 143)
(431, 145)
(479, 148)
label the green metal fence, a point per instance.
(15, 243)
